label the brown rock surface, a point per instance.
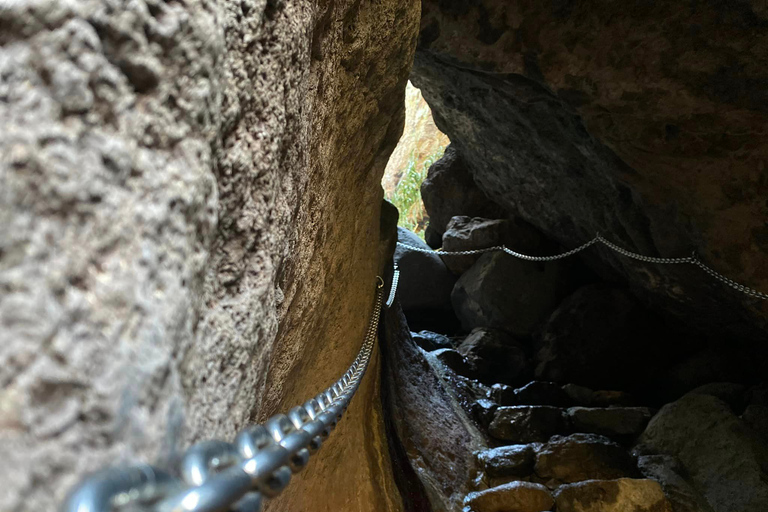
(645, 123)
(179, 182)
(622, 495)
(511, 497)
(568, 459)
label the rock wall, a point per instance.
(189, 230)
(642, 121)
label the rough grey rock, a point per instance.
(470, 233)
(494, 356)
(425, 282)
(173, 190)
(725, 459)
(513, 460)
(527, 424)
(731, 393)
(568, 137)
(602, 338)
(614, 422)
(484, 410)
(504, 395)
(434, 441)
(668, 471)
(504, 292)
(756, 417)
(449, 190)
(577, 457)
(622, 495)
(453, 360)
(430, 341)
(540, 392)
(513, 496)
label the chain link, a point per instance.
(692, 260)
(217, 476)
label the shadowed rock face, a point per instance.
(179, 183)
(643, 122)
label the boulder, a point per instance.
(503, 292)
(453, 360)
(622, 495)
(610, 398)
(756, 417)
(567, 124)
(542, 393)
(433, 440)
(470, 233)
(577, 457)
(425, 282)
(483, 410)
(614, 422)
(494, 356)
(430, 341)
(527, 424)
(514, 460)
(731, 393)
(668, 471)
(449, 190)
(579, 395)
(514, 496)
(725, 458)
(603, 338)
(504, 395)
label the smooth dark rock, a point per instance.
(756, 418)
(503, 394)
(449, 190)
(471, 233)
(504, 292)
(527, 424)
(603, 338)
(484, 410)
(579, 395)
(577, 457)
(614, 422)
(494, 356)
(668, 471)
(724, 456)
(425, 282)
(453, 360)
(430, 341)
(513, 460)
(622, 495)
(731, 393)
(540, 392)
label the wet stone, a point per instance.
(578, 457)
(527, 424)
(514, 460)
(542, 393)
(622, 422)
(503, 394)
(514, 496)
(430, 341)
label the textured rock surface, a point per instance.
(504, 292)
(449, 190)
(178, 183)
(469, 233)
(567, 459)
(527, 424)
(512, 460)
(725, 459)
(620, 422)
(601, 337)
(622, 495)
(646, 124)
(434, 442)
(514, 496)
(494, 356)
(425, 282)
(667, 470)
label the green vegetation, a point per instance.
(407, 194)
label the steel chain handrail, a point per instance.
(692, 260)
(217, 476)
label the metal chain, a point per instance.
(218, 476)
(693, 260)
